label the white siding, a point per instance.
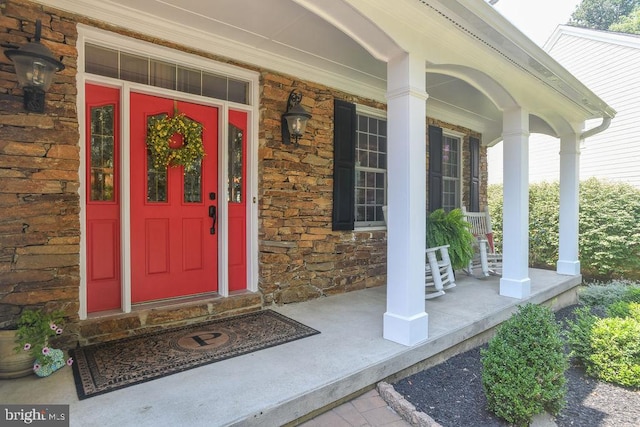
(612, 71)
(609, 65)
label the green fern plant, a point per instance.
(451, 229)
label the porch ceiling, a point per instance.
(346, 43)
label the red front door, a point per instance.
(174, 242)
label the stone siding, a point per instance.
(300, 257)
(39, 161)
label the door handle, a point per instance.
(213, 213)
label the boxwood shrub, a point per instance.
(523, 366)
(605, 335)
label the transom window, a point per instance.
(371, 170)
(142, 69)
(450, 172)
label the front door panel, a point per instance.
(103, 198)
(174, 243)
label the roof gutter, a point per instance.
(606, 121)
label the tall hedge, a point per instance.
(609, 223)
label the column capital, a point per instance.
(414, 92)
(515, 122)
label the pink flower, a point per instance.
(70, 361)
(45, 351)
(58, 331)
(53, 326)
(36, 367)
(27, 347)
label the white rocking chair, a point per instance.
(486, 257)
(438, 272)
(437, 261)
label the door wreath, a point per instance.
(161, 130)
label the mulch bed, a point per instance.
(451, 393)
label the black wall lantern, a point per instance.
(294, 121)
(35, 66)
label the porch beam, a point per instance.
(515, 281)
(405, 320)
(568, 260)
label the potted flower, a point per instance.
(35, 327)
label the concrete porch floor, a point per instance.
(289, 382)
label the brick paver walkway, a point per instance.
(367, 410)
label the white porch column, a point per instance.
(568, 261)
(515, 280)
(405, 320)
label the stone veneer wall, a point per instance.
(39, 160)
(300, 257)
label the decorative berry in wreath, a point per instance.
(162, 130)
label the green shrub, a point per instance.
(604, 294)
(609, 232)
(633, 293)
(615, 344)
(619, 309)
(624, 309)
(544, 219)
(579, 335)
(609, 240)
(523, 366)
(451, 229)
(608, 348)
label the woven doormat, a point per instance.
(101, 368)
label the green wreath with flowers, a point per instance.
(161, 129)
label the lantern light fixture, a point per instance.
(35, 66)
(294, 121)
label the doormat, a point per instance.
(104, 367)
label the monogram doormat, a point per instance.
(104, 367)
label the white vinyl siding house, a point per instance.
(609, 63)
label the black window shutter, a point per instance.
(344, 163)
(435, 168)
(474, 185)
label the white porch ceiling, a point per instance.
(345, 43)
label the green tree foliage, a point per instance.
(628, 24)
(523, 366)
(609, 240)
(601, 14)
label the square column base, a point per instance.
(568, 268)
(515, 288)
(406, 330)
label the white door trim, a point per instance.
(107, 39)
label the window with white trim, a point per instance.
(451, 156)
(143, 69)
(370, 169)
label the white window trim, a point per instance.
(461, 138)
(378, 114)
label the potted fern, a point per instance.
(451, 229)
